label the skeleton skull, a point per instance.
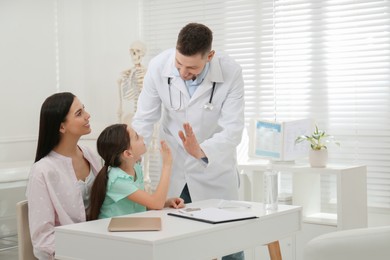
(137, 51)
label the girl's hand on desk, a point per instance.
(175, 203)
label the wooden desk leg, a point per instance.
(274, 251)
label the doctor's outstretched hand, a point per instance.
(190, 143)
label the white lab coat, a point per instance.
(218, 131)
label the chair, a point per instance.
(354, 244)
(25, 248)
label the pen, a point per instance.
(185, 212)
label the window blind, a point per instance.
(326, 60)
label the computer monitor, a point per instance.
(276, 140)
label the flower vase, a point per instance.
(318, 158)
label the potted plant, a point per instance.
(318, 154)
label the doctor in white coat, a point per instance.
(199, 97)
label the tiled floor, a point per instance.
(9, 248)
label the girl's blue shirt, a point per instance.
(119, 186)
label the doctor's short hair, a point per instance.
(194, 38)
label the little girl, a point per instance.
(118, 188)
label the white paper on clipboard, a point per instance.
(214, 215)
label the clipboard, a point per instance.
(126, 224)
(213, 215)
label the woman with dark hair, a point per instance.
(119, 186)
(60, 180)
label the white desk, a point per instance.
(197, 240)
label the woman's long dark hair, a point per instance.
(53, 112)
(111, 143)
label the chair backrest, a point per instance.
(24, 240)
(356, 244)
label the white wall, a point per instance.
(27, 72)
(65, 45)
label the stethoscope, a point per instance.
(207, 106)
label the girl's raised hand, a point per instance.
(166, 154)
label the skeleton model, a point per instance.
(130, 85)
